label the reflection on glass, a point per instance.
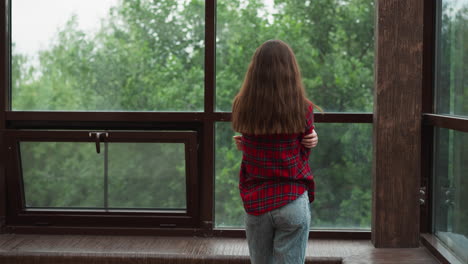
(73, 175)
(133, 55)
(451, 94)
(450, 207)
(333, 42)
(342, 169)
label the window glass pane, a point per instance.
(341, 164)
(62, 174)
(450, 207)
(147, 175)
(451, 94)
(122, 176)
(228, 204)
(333, 42)
(108, 55)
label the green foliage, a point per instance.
(140, 60)
(333, 42)
(61, 174)
(147, 175)
(149, 56)
(140, 175)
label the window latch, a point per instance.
(422, 195)
(98, 136)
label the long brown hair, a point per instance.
(272, 99)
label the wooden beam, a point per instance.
(397, 123)
(459, 123)
(4, 40)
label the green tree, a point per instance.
(148, 55)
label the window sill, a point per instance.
(24, 248)
(438, 249)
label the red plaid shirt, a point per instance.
(275, 170)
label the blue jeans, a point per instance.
(280, 236)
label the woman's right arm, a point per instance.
(238, 141)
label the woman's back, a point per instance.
(275, 169)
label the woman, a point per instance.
(276, 184)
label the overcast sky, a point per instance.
(35, 22)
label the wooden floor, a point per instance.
(146, 249)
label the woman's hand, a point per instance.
(310, 140)
(238, 140)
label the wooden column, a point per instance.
(397, 123)
(3, 106)
(3, 194)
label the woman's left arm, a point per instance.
(310, 140)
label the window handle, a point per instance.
(97, 136)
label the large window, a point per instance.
(450, 159)
(118, 111)
(112, 173)
(333, 42)
(107, 55)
